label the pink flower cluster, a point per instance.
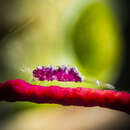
(59, 73)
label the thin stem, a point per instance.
(19, 90)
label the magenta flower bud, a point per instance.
(63, 74)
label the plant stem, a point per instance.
(19, 90)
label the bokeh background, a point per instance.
(91, 34)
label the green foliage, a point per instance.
(96, 42)
(88, 84)
(79, 33)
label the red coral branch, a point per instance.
(19, 90)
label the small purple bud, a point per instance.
(59, 73)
